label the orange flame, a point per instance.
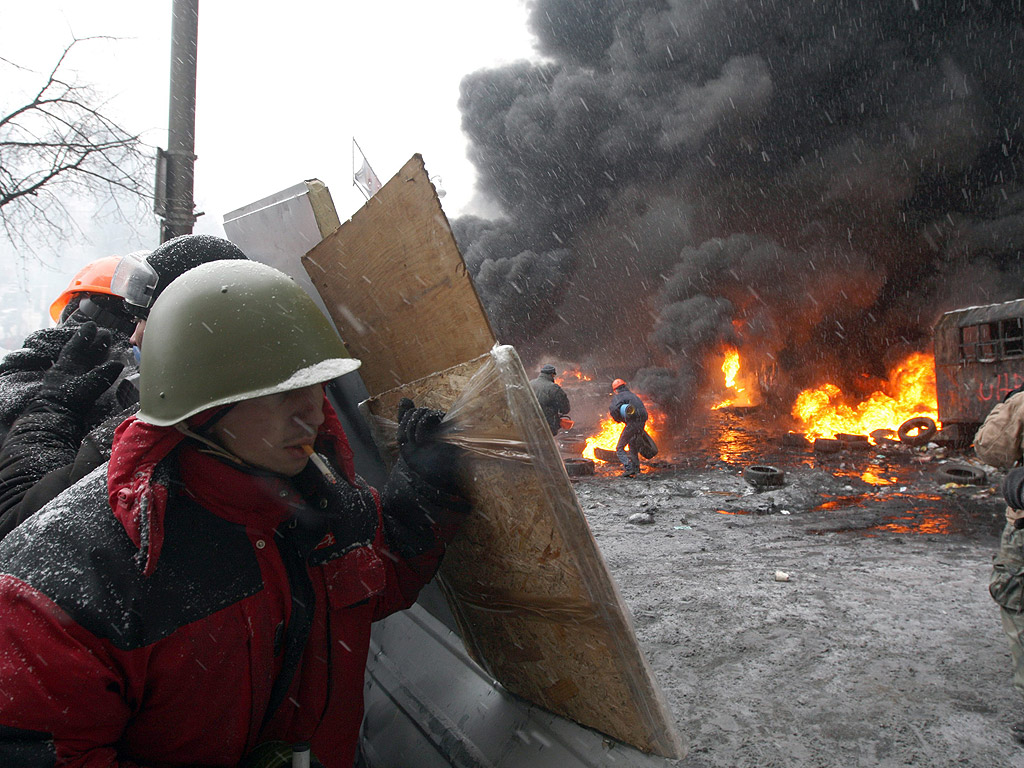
(823, 411)
(575, 374)
(607, 433)
(731, 369)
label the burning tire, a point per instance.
(760, 475)
(827, 445)
(795, 440)
(964, 474)
(884, 437)
(608, 457)
(917, 431)
(854, 442)
(579, 467)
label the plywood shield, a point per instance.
(395, 284)
(534, 601)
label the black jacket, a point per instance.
(48, 449)
(624, 397)
(552, 398)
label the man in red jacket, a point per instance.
(211, 589)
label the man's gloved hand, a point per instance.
(1013, 488)
(419, 442)
(82, 372)
(40, 351)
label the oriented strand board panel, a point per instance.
(525, 579)
(395, 284)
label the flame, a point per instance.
(576, 374)
(824, 412)
(607, 433)
(731, 369)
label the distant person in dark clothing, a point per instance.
(628, 409)
(552, 398)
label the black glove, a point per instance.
(82, 372)
(1013, 486)
(419, 443)
(40, 350)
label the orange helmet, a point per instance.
(618, 383)
(94, 277)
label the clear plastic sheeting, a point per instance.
(524, 579)
(462, 424)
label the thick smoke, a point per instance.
(813, 182)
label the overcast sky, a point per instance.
(283, 88)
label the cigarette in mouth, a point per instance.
(320, 463)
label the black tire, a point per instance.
(827, 445)
(573, 445)
(964, 474)
(795, 440)
(646, 446)
(579, 467)
(760, 475)
(917, 431)
(848, 438)
(603, 454)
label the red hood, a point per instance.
(139, 499)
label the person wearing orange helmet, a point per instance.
(90, 296)
(629, 410)
(88, 301)
(50, 446)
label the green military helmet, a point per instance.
(228, 331)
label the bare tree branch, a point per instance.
(62, 147)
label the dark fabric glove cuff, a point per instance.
(1013, 486)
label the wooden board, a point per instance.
(525, 579)
(397, 288)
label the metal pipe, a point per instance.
(180, 213)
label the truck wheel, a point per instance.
(917, 431)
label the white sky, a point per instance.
(283, 87)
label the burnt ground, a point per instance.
(882, 649)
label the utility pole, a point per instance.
(176, 165)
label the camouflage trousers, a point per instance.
(1007, 588)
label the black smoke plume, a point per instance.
(812, 181)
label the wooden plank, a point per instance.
(395, 284)
(525, 579)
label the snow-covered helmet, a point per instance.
(229, 331)
(140, 278)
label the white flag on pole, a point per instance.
(364, 177)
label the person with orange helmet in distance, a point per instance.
(93, 327)
(629, 410)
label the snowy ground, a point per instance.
(882, 649)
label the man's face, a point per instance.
(269, 432)
(140, 330)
